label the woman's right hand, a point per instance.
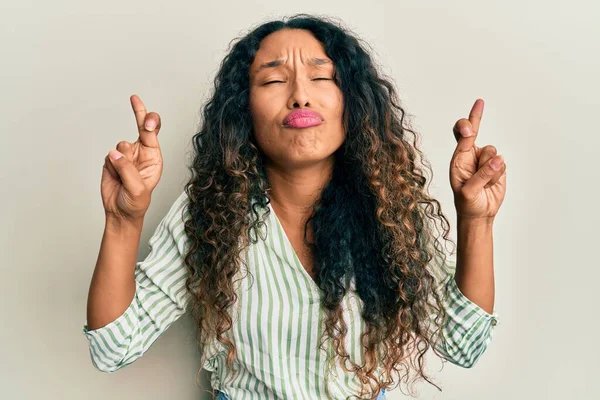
(128, 182)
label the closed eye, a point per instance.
(316, 79)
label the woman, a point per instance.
(303, 244)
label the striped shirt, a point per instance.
(277, 320)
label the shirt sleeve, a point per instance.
(468, 329)
(160, 297)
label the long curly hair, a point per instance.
(374, 221)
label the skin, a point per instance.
(300, 160)
(479, 189)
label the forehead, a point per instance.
(275, 49)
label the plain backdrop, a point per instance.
(67, 71)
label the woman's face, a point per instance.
(301, 80)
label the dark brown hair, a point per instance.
(374, 220)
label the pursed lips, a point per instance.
(302, 119)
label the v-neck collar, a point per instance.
(276, 228)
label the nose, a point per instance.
(299, 97)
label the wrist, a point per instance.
(481, 221)
(469, 230)
(123, 226)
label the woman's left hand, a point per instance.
(478, 187)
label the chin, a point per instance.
(307, 159)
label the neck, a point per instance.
(294, 191)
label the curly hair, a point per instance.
(374, 220)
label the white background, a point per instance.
(67, 71)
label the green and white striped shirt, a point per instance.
(277, 320)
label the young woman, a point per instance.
(304, 243)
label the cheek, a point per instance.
(254, 110)
(340, 102)
(334, 102)
(262, 129)
(335, 105)
(262, 111)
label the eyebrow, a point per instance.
(277, 63)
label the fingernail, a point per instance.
(466, 131)
(150, 126)
(115, 155)
(495, 163)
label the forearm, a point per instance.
(113, 283)
(475, 262)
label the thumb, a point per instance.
(478, 181)
(130, 176)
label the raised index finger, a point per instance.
(475, 115)
(139, 110)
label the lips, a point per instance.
(302, 119)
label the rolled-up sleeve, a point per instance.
(160, 297)
(468, 329)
